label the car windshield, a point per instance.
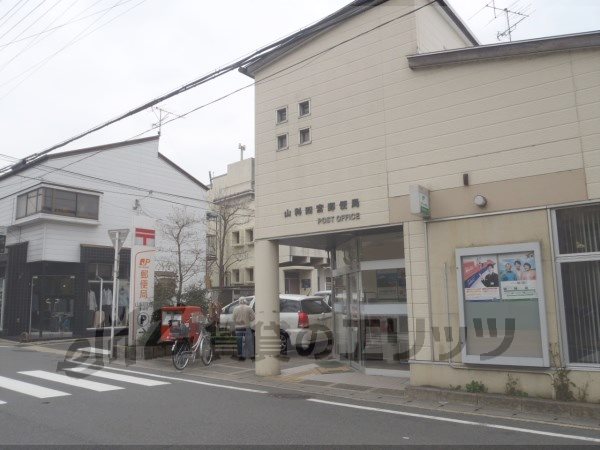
(315, 306)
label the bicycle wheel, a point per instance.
(206, 350)
(181, 355)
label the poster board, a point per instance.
(502, 305)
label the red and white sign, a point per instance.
(143, 255)
(145, 237)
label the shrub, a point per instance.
(475, 386)
(512, 387)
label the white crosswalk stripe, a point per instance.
(117, 376)
(71, 381)
(2, 403)
(29, 389)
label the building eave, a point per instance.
(183, 172)
(528, 47)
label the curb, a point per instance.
(521, 404)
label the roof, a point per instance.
(352, 9)
(506, 49)
(17, 168)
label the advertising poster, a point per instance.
(480, 277)
(518, 276)
(143, 255)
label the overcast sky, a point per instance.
(117, 54)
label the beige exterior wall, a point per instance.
(436, 31)
(526, 130)
(377, 126)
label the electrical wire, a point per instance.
(72, 21)
(33, 69)
(221, 71)
(38, 39)
(10, 17)
(22, 19)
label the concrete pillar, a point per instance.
(266, 254)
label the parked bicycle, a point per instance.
(188, 346)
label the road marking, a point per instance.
(117, 377)
(98, 351)
(459, 421)
(71, 381)
(29, 389)
(164, 377)
(2, 403)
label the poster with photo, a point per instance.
(518, 276)
(480, 277)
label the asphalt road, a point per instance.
(169, 408)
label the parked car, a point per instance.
(326, 296)
(305, 322)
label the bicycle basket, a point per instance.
(179, 331)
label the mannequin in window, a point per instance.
(107, 302)
(123, 303)
(92, 307)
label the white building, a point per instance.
(301, 270)
(56, 265)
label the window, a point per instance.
(305, 136)
(211, 246)
(249, 235)
(235, 275)
(304, 108)
(282, 115)
(250, 275)
(315, 306)
(282, 141)
(59, 202)
(2, 243)
(578, 246)
(235, 238)
(289, 306)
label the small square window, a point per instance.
(282, 115)
(236, 237)
(304, 108)
(305, 136)
(282, 141)
(250, 275)
(250, 235)
(235, 275)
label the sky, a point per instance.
(68, 65)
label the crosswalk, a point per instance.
(74, 377)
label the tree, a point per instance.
(180, 248)
(228, 213)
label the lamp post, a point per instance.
(118, 238)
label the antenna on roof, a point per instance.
(162, 116)
(516, 16)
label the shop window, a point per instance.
(304, 137)
(59, 202)
(282, 142)
(382, 246)
(502, 305)
(578, 244)
(304, 108)
(282, 115)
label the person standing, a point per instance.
(243, 316)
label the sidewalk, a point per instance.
(330, 377)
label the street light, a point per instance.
(118, 238)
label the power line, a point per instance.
(10, 17)
(76, 39)
(16, 41)
(226, 69)
(22, 19)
